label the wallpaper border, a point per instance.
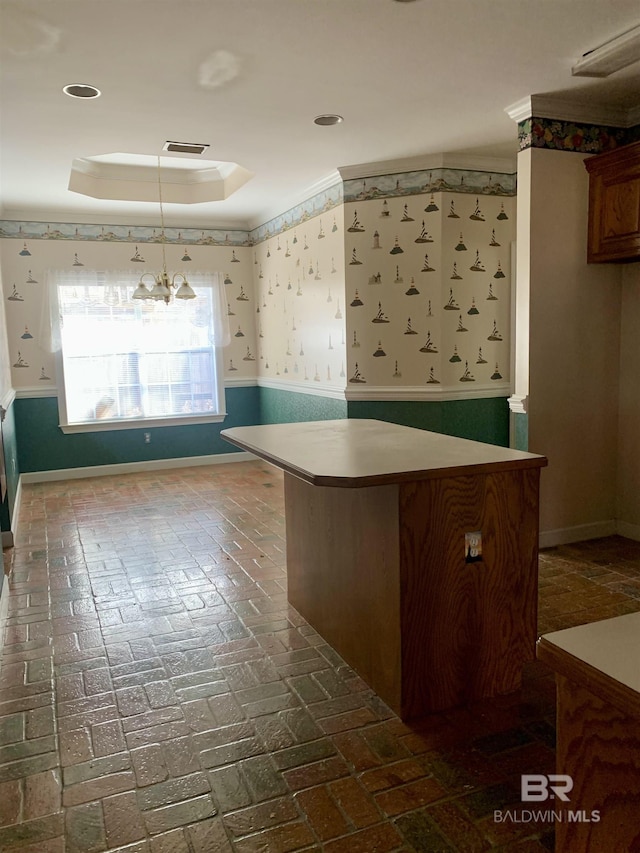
(577, 137)
(467, 181)
(35, 230)
(444, 179)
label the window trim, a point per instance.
(109, 425)
(139, 423)
(148, 423)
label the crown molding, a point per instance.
(500, 165)
(286, 205)
(544, 106)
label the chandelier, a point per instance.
(163, 286)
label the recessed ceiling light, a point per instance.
(328, 119)
(81, 90)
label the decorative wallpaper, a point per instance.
(430, 181)
(6, 385)
(300, 304)
(24, 264)
(322, 202)
(406, 285)
(121, 233)
(570, 136)
(428, 291)
(240, 360)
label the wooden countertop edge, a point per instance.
(603, 686)
(392, 477)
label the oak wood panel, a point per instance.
(599, 747)
(614, 205)
(343, 574)
(467, 628)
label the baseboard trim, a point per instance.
(4, 609)
(629, 531)
(134, 467)
(579, 533)
(8, 536)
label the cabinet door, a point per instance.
(614, 205)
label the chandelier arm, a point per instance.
(145, 274)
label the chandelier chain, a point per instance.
(162, 235)
(163, 285)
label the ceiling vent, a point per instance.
(185, 147)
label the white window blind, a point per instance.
(127, 361)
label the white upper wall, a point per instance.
(628, 508)
(574, 349)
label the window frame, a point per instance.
(114, 424)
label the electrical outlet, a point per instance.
(147, 438)
(473, 547)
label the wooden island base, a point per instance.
(380, 572)
(413, 554)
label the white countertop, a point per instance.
(611, 646)
(359, 452)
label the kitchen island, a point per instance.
(597, 670)
(413, 554)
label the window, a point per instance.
(126, 362)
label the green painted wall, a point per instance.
(484, 420)
(11, 465)
(42, 446)
(279, 407)
(481, 420)
(521, 431)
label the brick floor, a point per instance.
(158, 695)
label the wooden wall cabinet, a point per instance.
(614, 205)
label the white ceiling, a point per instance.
(249, 76)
